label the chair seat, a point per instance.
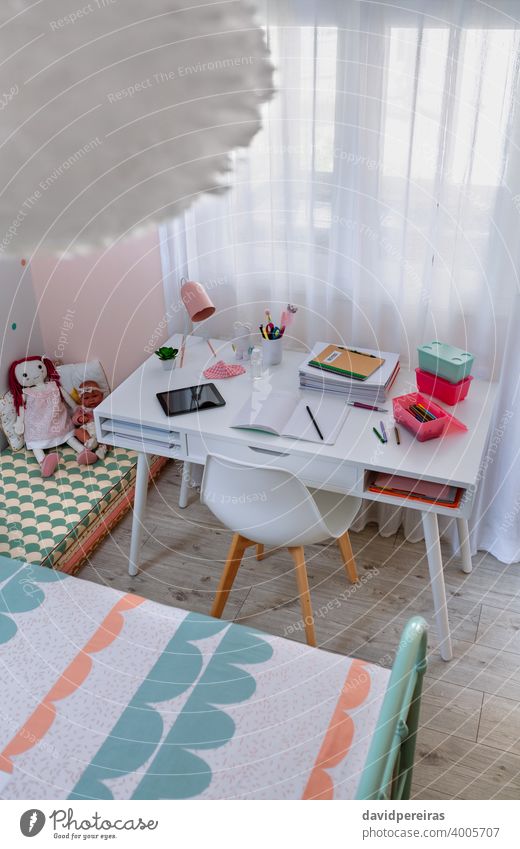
(271, 507)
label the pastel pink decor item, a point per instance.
(47, 418)
(199, 305)
(49, 465)
(86, 457)
(221, 370)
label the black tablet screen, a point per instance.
(191, 399)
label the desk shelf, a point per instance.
(140, 437)
(463, 509)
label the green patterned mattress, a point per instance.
(58, 521)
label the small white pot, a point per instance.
(169, 365)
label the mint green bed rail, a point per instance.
(387, 773)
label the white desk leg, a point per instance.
(465, 551)
(185, 485)
(141, 491)
(433, 551)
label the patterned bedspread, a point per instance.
(106, 695)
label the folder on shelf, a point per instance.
(418, 490)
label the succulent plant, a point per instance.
(166, 353)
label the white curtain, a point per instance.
(382, 197)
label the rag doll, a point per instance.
(90, 395)
(42, 408)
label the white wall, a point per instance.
(20, 332)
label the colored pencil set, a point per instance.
(421, 413)
(269, 331)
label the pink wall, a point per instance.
(102, 306)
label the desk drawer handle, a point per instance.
(269, 451)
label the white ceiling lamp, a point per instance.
(116, 114)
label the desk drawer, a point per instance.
(322, 471)
(140, 437)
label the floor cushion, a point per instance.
(58, 521)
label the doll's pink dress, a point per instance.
(46, 422)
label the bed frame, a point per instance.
(388, 769)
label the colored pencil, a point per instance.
(428, 412)
(378, 435)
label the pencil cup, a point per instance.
(272, 351)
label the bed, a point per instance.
(58, 521)
(107, 695)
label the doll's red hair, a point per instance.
(16, 387)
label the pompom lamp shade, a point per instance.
(199, 305)
(119, 114)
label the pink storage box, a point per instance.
(424, 430)
(450, 393)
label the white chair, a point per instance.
(270, 506)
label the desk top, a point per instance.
(453, 458)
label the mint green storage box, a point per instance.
(449, 362)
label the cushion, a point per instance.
(58, 521)
(7, 422)
(72, 374)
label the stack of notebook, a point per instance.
(362, 375)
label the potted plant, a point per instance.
(167, 357)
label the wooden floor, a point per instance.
(469, 743)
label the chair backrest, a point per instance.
(387, 773)
(265, 504)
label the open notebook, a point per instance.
(284, 414)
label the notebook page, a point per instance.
(269, 412)
(329, 413)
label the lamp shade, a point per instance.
(120, 114)
(199, 305)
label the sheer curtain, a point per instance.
(382, 197)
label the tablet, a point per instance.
(205, 396)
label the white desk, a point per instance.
(131, 417)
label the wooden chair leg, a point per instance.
(303, 591)
(229, 573)
(259, 552)
(348, 557)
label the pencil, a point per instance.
(378, 435)
(212, 349)
(315, 423)
(424, 410)
(397, 439)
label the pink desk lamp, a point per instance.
(199, 307)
